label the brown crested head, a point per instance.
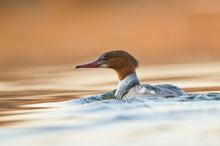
(118, 59)
(121, 61)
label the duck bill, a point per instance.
(94, 64)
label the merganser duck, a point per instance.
(129, 86)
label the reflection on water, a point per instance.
(40, 106)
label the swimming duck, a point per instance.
(129, 85)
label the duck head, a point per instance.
(120, 61)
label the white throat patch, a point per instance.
(125, 84)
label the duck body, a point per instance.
(129, 86)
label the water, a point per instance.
(59, 106)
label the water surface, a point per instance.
(50, 106)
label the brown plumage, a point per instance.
(121, 61)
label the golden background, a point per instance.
(52, 32)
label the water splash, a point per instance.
(110, 95)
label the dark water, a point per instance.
(50, 106)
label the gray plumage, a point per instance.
(131, 88)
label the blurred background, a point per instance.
(55, 32)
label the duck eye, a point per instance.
(105, 58)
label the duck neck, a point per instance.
(124, 72)
(126, 84)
